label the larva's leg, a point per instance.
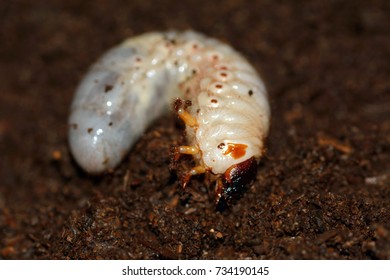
(188, 150)
(194, 171)
(183, 150)
(187, 118)
(180, 107)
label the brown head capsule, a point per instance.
(234, 182)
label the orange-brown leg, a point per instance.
(190, 121)
(184, 150)
(187, 118)
(188, 150)
(180, 107)
(194, 171)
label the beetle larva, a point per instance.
(222, 101)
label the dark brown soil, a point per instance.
(322, 191)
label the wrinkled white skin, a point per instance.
(135, 82)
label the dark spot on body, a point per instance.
(180, 103)
(218, 86)
(194, 46)
(250, 92)
(107, 88)
(74, 125)
(223, 74)
(221, 145)
(177, 104)
(105, 161)
(214, 100)
(194, 71)
(89, 130)
(188, 103)
(110, 124)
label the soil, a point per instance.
(322, 191)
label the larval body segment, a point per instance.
(135, 83)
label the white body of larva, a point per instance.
(135, 82)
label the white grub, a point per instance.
(135, 83)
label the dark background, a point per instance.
(322, 191)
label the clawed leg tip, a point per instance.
(185, 180)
